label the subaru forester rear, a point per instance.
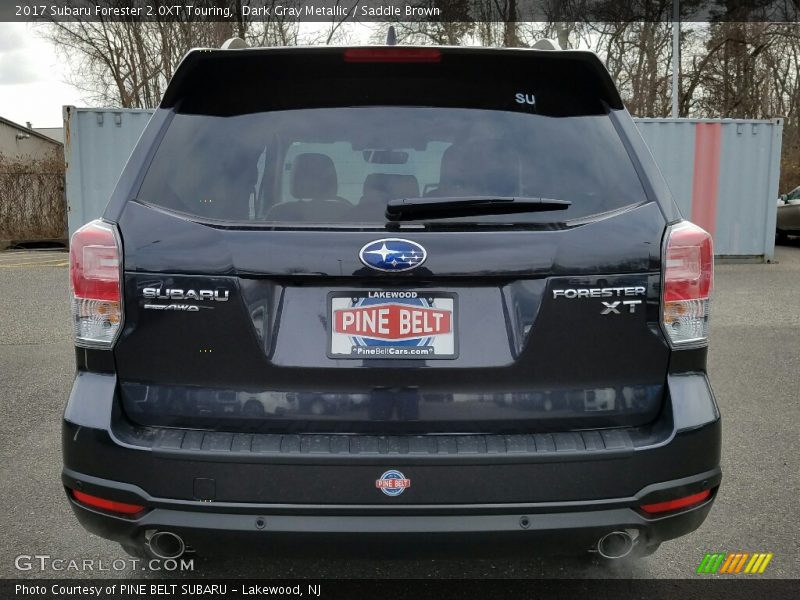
(391, 293)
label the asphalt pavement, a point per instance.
(754, 359)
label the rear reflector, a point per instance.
(670, 505)
(109, 505)
(688, 281)
(396, 55)
(95, 281)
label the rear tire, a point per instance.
(781, 237)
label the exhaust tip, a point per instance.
(166, 545)
(614, 545)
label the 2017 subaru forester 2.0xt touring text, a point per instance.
(391, 294)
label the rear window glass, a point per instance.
(343, 164)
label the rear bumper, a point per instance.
(481, 531)
(562, 490)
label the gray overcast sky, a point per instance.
(32, 78)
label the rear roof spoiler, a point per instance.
(203, 68)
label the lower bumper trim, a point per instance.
(214, 531)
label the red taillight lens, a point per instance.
(95, 281)
(689, 272)
(409, 55)
(688, 281)
(109, 505)
(670, 505)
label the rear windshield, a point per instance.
(341, 165)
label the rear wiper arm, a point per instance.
(410, 209)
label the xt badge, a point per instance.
(613, 307)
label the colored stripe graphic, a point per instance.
(734, 563)
(755, 562)
(705, 182)
(740, 564)
(726, 565)
(711, 562)
(764, 564)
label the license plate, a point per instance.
(392, 324)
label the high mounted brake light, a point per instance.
(95, 281)
(688, 281)
(394, 55)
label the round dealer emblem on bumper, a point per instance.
(392, 483)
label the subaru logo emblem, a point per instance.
(392, 254)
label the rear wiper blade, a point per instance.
(410, 209)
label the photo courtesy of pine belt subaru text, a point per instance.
(358, 296)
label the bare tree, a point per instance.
(452, 27)
(638, 56)
(749, 70)
(128, 64)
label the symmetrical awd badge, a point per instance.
(392, 255)
(157, 293)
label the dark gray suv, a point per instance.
(391, 294)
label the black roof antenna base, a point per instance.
(391, 36)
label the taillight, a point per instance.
(95, 281)
(688, 280)
(407, 55)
